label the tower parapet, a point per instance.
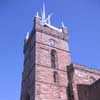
(43, 24)
(50, 30)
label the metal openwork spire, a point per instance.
(47, 20)
(44, 19)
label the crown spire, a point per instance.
(47, 20)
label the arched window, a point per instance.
(53, 58)
(55, 77)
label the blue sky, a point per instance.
(82, 17)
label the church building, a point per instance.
(48, 72)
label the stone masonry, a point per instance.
(49, 76)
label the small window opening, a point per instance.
(55, 77)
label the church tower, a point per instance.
(46, 55)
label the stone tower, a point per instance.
(46, 55)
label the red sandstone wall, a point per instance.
(83, 92)
(95, 91)
(84, 78)
(45, 86)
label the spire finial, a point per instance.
(37, 14)
(43, 13)
(63, 24)
(27, 36)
